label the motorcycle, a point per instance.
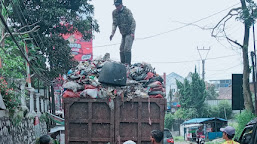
(201, 139)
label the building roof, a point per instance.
(202, 120)
(225, 93)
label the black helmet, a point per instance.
(117, 2)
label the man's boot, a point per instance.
(128, 58)
(122, 57)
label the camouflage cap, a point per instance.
(117, 2)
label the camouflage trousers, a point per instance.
(126, 43)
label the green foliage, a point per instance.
(48, 14)
(223, 107)
(192, 96)
(44, 118)
(11, 100)
(178, 138)
(183, 113)
(206, 111)
(169, 120)
(211, 93)
(218, 111)
(13, 65)
(248, 13)
(16, 120)
(243, 119)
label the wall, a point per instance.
(22, 133)
(216, 102)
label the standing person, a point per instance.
(199, 132)
(123, 18)
(228, 134)
(156, 137)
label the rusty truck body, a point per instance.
(102, 121)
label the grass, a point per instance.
(213, 142)
(178, 138)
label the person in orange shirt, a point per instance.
(228, 134)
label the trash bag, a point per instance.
(139, 77)
(72, 86)
(149, 76)
(70, 94)
(157, 78)
(111, 104)
(159, 88)
(114, 74)
(156, 96)
(154, 84)
(89, 92)
(89, 87)
(155, 93)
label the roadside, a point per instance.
(180, 140)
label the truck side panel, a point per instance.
(88, 121)
(91, 121)
(134, 120)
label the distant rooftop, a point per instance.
(225, 93)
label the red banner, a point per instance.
(81, 50)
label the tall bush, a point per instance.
(243, 119)
(169, 120)
(10, 99)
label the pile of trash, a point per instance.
(141, 81)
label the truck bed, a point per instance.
(93, 121)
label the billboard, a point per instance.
(81, 50)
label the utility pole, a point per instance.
(203, 59)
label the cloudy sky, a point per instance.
(165, 39)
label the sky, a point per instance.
(165, 39)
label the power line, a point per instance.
(226, 68)
(189, 61)
(186, 25)
(20, 49)
(222, 71)
(38, 74)
(35, 40)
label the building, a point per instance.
(171, 83)
(221, 83)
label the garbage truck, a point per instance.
(109, 114)
(93, 121)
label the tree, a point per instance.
(192, 95)
(211, 93)
(13, 65)
(242, 119)
(184, 113)
(246, 13)
(169, 120)
(222, 110)
(78, 16)
(170, 97)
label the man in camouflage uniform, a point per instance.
(123, 18)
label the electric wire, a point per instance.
(175, 29)
(32, 67)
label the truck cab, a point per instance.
(249, 134)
